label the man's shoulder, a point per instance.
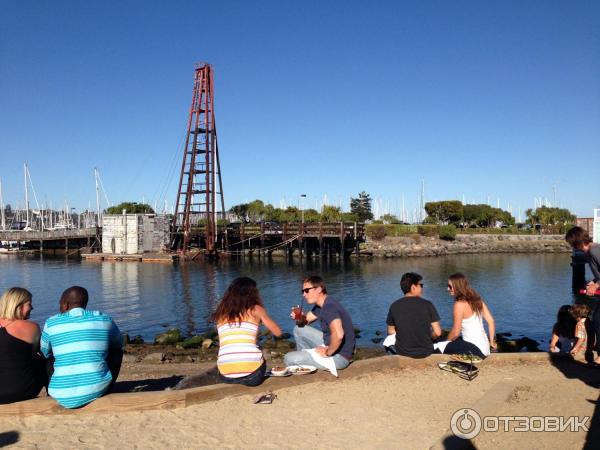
(411, 300)
(68, 317)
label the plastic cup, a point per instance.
(298, 313)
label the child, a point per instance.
(580, 314)
(563, 331)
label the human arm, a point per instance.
(436, 330)
(457, 317)
(115, 337)
(580, 335)
(262, 315)
(553, 342)
(337, 336)
(45, 345)
(487, 316)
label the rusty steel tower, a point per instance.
(195, 219)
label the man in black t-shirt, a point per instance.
(335, 339)
(413, 320)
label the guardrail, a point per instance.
(20, 235)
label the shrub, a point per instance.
(447, 232)
(427, 230)
(376, 232)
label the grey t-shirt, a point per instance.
(594, 260)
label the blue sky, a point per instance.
(498, 99)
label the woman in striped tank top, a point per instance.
(238, 318)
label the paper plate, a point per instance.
(280, 373)
(304, 369)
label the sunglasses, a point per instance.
(422, 284)
(450, 287)
(307, 290)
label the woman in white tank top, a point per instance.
(468, 336)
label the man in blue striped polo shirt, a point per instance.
(87, 350)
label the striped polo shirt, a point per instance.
(79, 340)
(239, 355)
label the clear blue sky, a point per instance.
(498, 99)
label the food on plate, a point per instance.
(300, 369)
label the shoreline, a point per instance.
(421, 246)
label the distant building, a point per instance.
(587, 223)
(596, 231)
(133, 234)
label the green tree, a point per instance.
(361, 207)
(390, 218)
(256, 211)
(240, 212)
(130, 208)
(549, 216)
(331, 214)
(349, 217)
(312, 216)
(446, 211)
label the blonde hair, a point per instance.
(11, 302)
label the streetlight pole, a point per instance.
(300, 203)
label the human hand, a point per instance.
(322, 350)
(591, 288)
(493, 346)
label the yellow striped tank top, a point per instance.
(239, 355)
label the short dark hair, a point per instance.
(75, 296)
(577, 237)
(316, 281)
(409, 279)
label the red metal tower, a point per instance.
(200, 180)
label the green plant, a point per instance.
(376, 232)
(447, 232)
(427, 230)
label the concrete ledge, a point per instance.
(137, 401)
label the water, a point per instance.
(523, 292)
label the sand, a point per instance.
(407, 407)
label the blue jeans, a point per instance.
(309, 337)
(254, 379)
(462, 347)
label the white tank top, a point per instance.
(472, 331)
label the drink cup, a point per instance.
(298, 313)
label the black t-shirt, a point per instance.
(412, 317)
(333, 310)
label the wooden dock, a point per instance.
(141, 257)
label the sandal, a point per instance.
(463, 370)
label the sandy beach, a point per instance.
(409, 406)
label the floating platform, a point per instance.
(143, 257)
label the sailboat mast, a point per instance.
(3, 221)
(97, 197)
(26, 196)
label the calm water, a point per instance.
(523, 291)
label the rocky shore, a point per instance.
(416, 245)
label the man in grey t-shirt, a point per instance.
(579, 239)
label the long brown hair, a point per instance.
(464, 292)
(240, 297)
